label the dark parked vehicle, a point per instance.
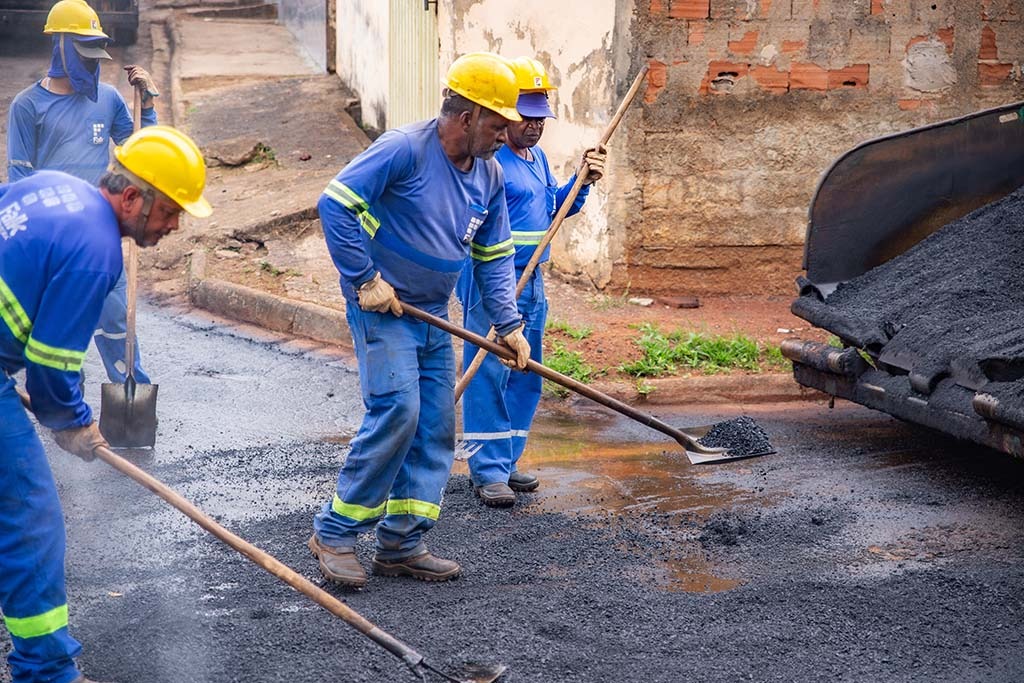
(120, 18)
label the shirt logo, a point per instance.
(12, 220)
(477, 216)
(97, 133)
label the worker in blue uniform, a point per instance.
(498, 405)
(60, 255)
(400, 221)
(66, 122)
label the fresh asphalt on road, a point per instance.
(866, 549)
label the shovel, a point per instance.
(696, 452)
(470, 673)
(128, 411)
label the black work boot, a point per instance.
(523, 482)
(496, 495)
(339, 565)
(425, 567)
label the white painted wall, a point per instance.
(574, 43)
(307, 20)
(362, 59)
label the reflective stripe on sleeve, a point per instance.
(40, 625)
(495, 251)
(22, 163)
(411, 506)
(53, 357)
(343, 194)
(13, 314)
(360, 513)
(528, 237)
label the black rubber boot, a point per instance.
(496, 495)
(339, 565)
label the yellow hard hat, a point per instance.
(531, 75)
(486, 79)
(168, 161)
(74, 16)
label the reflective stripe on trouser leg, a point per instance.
(387, 349)
(485, 418)
(110, 335)
(415, 500)
(32, 594)
(522, 393)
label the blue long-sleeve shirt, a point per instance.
(60, 256)
(68, 133)
(534, 198)
(403, 209)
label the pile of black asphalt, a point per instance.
(741, 436)
(558, 598)
(949, 306)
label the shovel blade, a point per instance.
(128, 414)
(480, 673)
(726, 455)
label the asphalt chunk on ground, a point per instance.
(740, 436)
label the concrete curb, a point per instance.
(268, 311)
(713, 389)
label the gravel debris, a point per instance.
(741, 436)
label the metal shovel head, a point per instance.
(128, 414)
(704, 459)
(472, 672)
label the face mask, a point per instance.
(84, 74)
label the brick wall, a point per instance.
(749, 101)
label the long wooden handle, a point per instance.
(131, 266)
(683, 439)
(556, 223)
(263, 559)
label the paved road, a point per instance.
(865, 550)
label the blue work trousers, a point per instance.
(32, 595)
(111, 332)
(398, 465)
(499, 404)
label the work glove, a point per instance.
(140, 78)
(378, 296)
(595, 158)
(81, 441)
(517, 342)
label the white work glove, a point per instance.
(517, 342)
(595, 158)
(378, 296)
(140, 78)
(81, 441)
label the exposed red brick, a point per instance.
(690, 9)
(771, 79)
(946, 36)
(657, 77)
(994, 74)
(807, 76)
(877, 6)
(657, 7)
(745, 45)
(791, 46)
(988, 49)
(910, 105)
(696, 29)
(718, 69)
(853, 76)
(766, 7)
(915, 40)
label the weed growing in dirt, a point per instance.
(268, 267)
(644, 388)
(568, 363)
(773, 356)
(265, 154)
(664, 353)
(576, 333)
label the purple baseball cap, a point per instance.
(534, 104)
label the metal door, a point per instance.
(414, 84)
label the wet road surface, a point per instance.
(866, 549)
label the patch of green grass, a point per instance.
(268, 267)
(833, 340)
(265, 154)
(663, 354)
(576, 333)
(567, 362)
(773, 356)
(644, 388)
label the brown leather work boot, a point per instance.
(523, 482)
(425, 567)
(496, 495)
(339, 565)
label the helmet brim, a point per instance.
(200, 208)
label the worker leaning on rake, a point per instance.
(60, 256)
(400, 221)
(65, 122)
(498, 406)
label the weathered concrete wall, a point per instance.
(749, 101)
(362, 57)
(307, 20)
(584, 46)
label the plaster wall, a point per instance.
(362, 56)
(307, 20)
